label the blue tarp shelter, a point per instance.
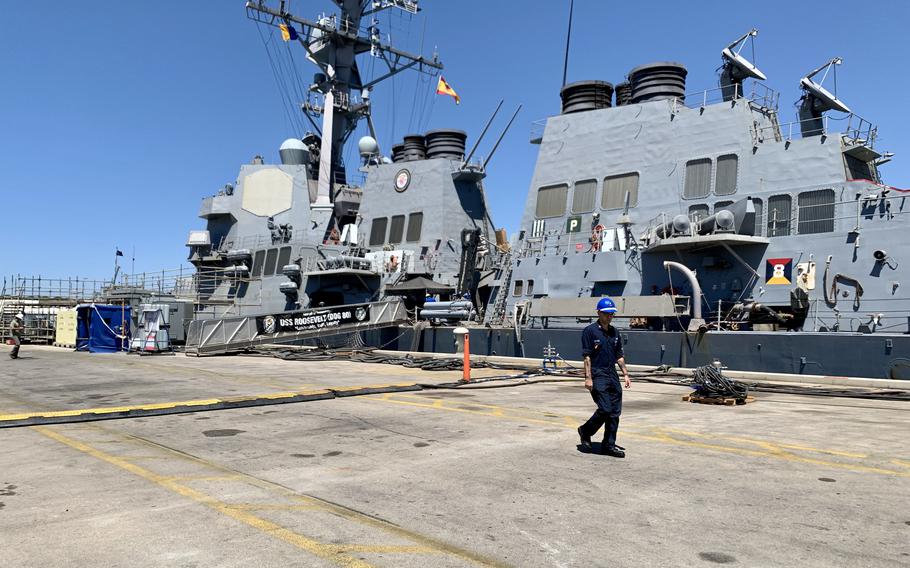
(100, 328)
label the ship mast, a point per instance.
(333, 43)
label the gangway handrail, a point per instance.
(240, 333)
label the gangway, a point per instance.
(238, 333)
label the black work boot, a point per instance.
(613, 452)
(585, 440)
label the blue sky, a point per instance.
(147, 107)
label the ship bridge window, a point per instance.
(271, 258)
(396, 231)
(815, 212)
(779, 215)
(725, 180)
(551, 200)
(584, 196)
(377, 231)
(415, 224)
(698, 212)
(530, 290)
(616, 188)
(284, 257)
(518, 288)
(698, 178)
(258, 261)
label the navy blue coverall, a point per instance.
(603, 347)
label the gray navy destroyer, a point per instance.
(721, 231)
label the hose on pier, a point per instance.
(706, 379)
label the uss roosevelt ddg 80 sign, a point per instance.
(313, 319)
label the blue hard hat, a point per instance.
(606, 305)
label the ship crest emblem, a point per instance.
(402, 180)
(779, 271)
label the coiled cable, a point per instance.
(709, 381)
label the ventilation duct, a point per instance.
(586, 95)
(449, 144)
(658, 81)
(415, 148)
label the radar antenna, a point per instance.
(816, 100)
(409, 6)
(332, 43)
(736, 68)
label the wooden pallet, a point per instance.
(67, 345)
(726, 401)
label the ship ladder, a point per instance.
(502, 294)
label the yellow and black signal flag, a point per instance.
(288, 32)
(443, 88)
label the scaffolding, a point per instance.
(39, 299)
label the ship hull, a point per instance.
(884, 356)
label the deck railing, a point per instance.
(856, 130)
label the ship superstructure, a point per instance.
(769, 217)
(722, 231)
(301, 234)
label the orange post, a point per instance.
(466, 367)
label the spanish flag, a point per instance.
(444, 88)
(288, 32)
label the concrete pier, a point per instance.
(466, 477)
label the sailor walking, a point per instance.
(15, 330)
(602, 350)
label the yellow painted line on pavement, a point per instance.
(772, 452)
(385, 549)
(191, 404)
(518, 415)
(201, 477)
(361, 387)
(764, 448)
(158, 406)
(241, 512)
(760, 442)
(273, 507)
(338, 510)
(324, 551)
(104, 410)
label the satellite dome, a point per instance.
(294, 152)
(368, 146)
(292, 144)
